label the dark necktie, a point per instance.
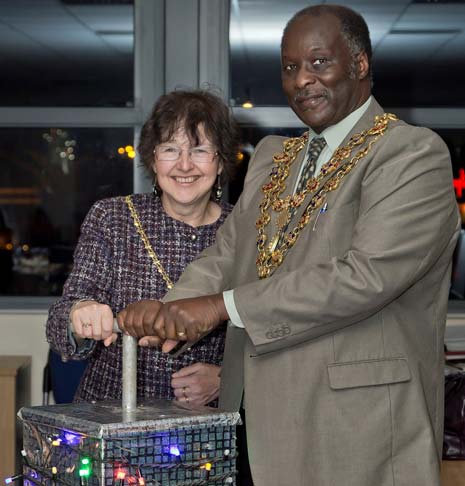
(314, 150)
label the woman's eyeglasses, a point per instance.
(198, 155)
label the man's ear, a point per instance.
(363, 66)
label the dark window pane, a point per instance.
(50, 178)
(419, 51)
(66, 53)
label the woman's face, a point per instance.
(186, 173)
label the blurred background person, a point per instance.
(134, 248)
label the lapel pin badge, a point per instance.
(323, 209)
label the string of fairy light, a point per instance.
(125, 472)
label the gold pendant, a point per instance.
(282, 219)
(274, 242)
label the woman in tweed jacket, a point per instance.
(189, 145)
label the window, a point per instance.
(58, 57)
(50, 178)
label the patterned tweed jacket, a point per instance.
(112, 267)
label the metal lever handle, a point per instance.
(129, 403)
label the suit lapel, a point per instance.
(365, 122)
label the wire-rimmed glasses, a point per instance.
(198, 155)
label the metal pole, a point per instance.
(129, 402)
(129, 373)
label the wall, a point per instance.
(24, 334)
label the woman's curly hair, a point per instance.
(188, 109)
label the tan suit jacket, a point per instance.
(342, 353)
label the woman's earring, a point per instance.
(219, 189)
(155, 188)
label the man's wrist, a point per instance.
(220, 307)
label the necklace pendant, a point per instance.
(274, 242)
(283, 219)
(277, 257)
(263, 272)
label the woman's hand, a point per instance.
(197, 384)
(91, 320)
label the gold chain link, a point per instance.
(145, 240)
(269, 258)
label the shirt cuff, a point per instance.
(234, 317)
(78, 349)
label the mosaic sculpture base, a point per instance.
(161, 443)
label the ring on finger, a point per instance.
(181, 334)
(86, 325)
(187, 399)
(184, 394)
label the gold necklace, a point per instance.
(145, 240)
(269, 256)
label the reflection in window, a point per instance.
(50, 178)
(67, 53)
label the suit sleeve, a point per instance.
(407, 218)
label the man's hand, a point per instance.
(186, 320)
(92, 320)
(197, 384)
(138, 318)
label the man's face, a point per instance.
(321, 80)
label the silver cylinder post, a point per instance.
(129, 375)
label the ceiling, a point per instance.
(403, 29)
(66, 53)
(41, 31)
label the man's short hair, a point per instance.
(354, 29)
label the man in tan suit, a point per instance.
(336, 287)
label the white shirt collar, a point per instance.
(335, 134)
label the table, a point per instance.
(453, 473)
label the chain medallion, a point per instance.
(270, 256)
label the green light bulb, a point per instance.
(84, 472)
(85, 469)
